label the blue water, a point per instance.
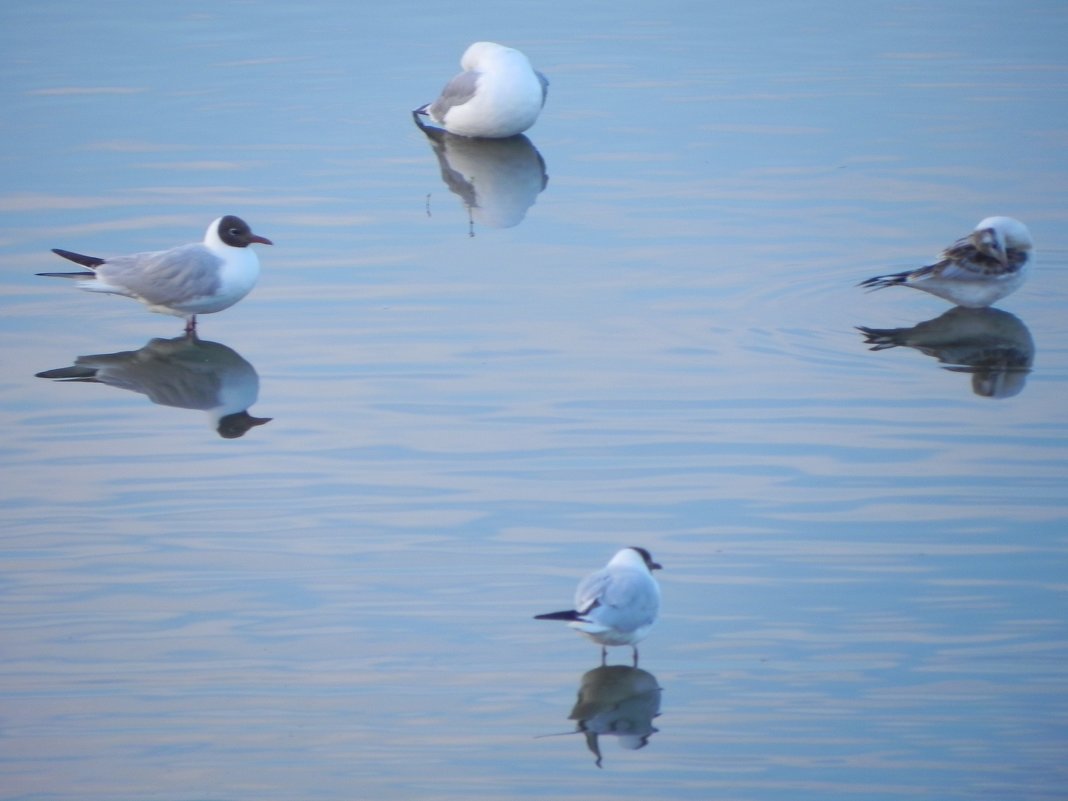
(643, 334)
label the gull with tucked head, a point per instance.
(616, 605)
(497, 95)
(975, 271)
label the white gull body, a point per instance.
(975, 271)
(199, 278)
(498, 94)
(618, 604)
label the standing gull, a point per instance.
(497, 95)
(976, 270)
(618, 604)
(199, 278)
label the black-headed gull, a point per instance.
(976, 270)
(199, 278)
(497, 95)
(618, 604)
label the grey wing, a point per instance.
(164, 277)
(590, 591)
(633, 599)
(456, 92)
(544, 86)
(166, 381)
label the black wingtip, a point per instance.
(91, 262)
(570, 614)
(883, 281)
(75, 373)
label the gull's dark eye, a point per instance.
(234, 232)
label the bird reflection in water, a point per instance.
(185, 372)
(993, 345)
(618, 701)
(497, 179)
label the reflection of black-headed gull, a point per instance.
(185, 281)
(993, 345)
(497, 95)
(974, 271)
(618, 604)
(620, 701)
(184, 372)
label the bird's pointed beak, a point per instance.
(656, 566)
(261, 239)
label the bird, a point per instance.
(198, 278)
(616, 605)
(496, 96)
(977, 270)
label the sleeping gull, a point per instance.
(618, 604)
(976, 270)
(199, 278)
(497, 95)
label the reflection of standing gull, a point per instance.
(976, 270)
(497, 179)
(993, 345)
(618, 604)
(620, 701)
(184, 372)
(497, 95)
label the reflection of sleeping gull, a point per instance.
(184, 372)
(497, 179)
(185, 281)
(991, 344)
(497, 95)
(975, 271)
(618, 604)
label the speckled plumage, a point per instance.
(975, 271)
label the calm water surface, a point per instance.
(640, 330)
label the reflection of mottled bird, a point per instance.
(184, 372)
(497, 179)
(618, 604)
(975, 271)
(617, 700)
(497, 95)
(993, 345)
(200, 278)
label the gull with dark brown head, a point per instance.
(199, 278)
(975, 271)
(618, 604)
